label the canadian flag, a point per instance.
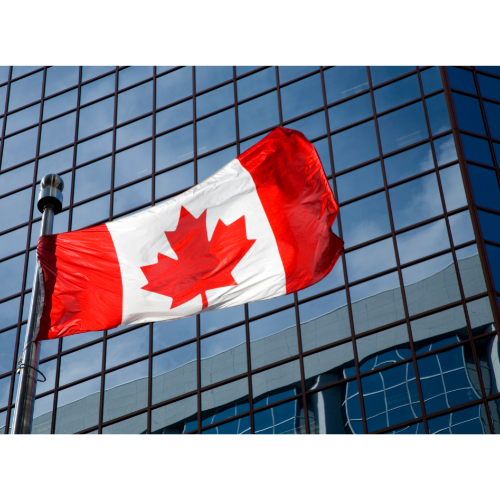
(258, 228)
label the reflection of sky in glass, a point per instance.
(61, 77)
(258, 114)
(409, 163)
(209, 76)
(453, 187)
(301, 97)
(174, 116)
(360, 181)
(26, 90)
(397, 93)
(257, 83)
(426, 269)
(272, 324)
(19, 148)
(344, 81)
(127, 346)
(214, 100)
(477, 149)
(222, 342)
(469, 114)
(80, 364)
(431, 80)
(438, 114)
(174, 86)
(97, 117)
(485, 187)
(369, 260)
(213, 320)
(445, 150)
(174, 147)
(92, 179)
(169, 333)
(133, 163)
(215, 131)
(174, 180)
(351, 111)
(22, 119)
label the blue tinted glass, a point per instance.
(258, 114)
(14, 179)
(133, 74)
(30, 272)
(469, 421)
(92, 179)
(431, 284)
(174, 373)
(485, 187)
(49, 370)
(312, 126)
(214, 100)
(90, 213)
(4, 73)
(125, 390)
(402, 127)
(350, 111)
(19, 148)
(26, 90)
(56, 163)
(494, 259)
(208, 76)
(169, 333)
(461, 79)
(22, 119)
(133, 163)
(355, 145)
(468, 113)
(224, 402)
(344, 81)
(58, 133)
(301, 97)
(423, 241)
(174, 180)
(263, 306)
(496, 148)
(251, 142)
(69, 417)
(4, 391)
(131, 197)
(324, 154)
(60, 104)
(22, 70)
(493, 117)
(80, 339)
(7, 346)
(431, 80)
(11, 275)
(241, 70)
(13, 242)
(438, 114)
(397, 93)
(461, 228)
(268, 421)
(490, 226)
(256, 83)
(445, 150)
(381, 74)
(61, 77)
(135, 102)
(80, 364)
(3, 94)
(214, 320)
(134, 132)
(162, 69)
(216, 131)
(125, 347)
(453, 187)
(365, 219)
(239, 426)
(275, 384)
(370, 260)
(476, 149)
(14, 209)
(174, 116)
(415, 201)
(89, 72)
(490, 87)
(9, 312)
(409, 163)
(94, 148)
(97, 89)
(288, 73)
(490, 69)
(360, 181)
(174, 147)
(96, 117)
(174, 86)
(176, 418)
(210, 164)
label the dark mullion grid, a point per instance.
(398, 263)
(455, 260)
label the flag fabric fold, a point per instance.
(258, 228)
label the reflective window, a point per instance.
(241, 70)
(208, 165)
(133, 163)
(26, 90)
(135, 102)
(174, 86)
(4, 73)
(415, 201)
(19, 148)
(174, 180)
(22, 119)
(397, 93)
(14, 179)
(490, 87)
(94, 148)
(461, 79)
(494, 409)
(431, 284)
(324, 154)
(494, 260)
(360, 181)
(258, 114)
(17, 206)
(493, 117)
(80, 339)
(312, 126)
(490, 225)
(92, 179)
(438, 114)
(471, 271)
(9, 312)
(61, 77)
(11, 276)
(174, 147)
(408, 163)
(381, 74)
(49, 370)
(125, 347)
(176, 418)
(350, 111)
(371, 259)
(58, 133)
(344, 81)
(30, 272)
(90, 213)
(471, 420)
(18, 71)
(13, 242)
(431, 80)
(223, 356)
(256, 83)
(485, 187)
(132, 196)
(263, 306)
(288, 73)
(481, 322)
(453, 187)
(461, 228)
(96, 117)
(89, 72)
(174, 373)
(273, 338)
(60, 104)
(214, 100)
(133, 74)
(125, 390)
(324, 320)
(301, 97)
(42, 415)
(7, 346)
(174, 116)
(80, 364)
(216, 131)
(445, 150)
(468, 113)
(169, 333)
(134, 425)
(97, 89)
(209, 76)
(477, 149)
(134, 132)
(239, 426)
(332, 280)
(214, 320)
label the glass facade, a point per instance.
(399, 338)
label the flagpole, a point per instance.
(50, 204)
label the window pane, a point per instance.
(241, 70)
(397, 93)
(89, 72)
(461, 228)
(133, 74)
(263, 306)
(174, 373)
(14, 209)
(214, 100)
(174, 116)
(402, 127)
(471, 271)
(332, 280)
(409, 163)
(210, 164)
(239, 426)
(258, 114)
(490, 225)
(351, 111)
(273, 338)
(174, 147)
(19, 148)
(97, 89)
(469, 421)
(445, 150)
(135, 102)
(468, 113)
(493, 117)
(490, 87)
(494, 260)
(133, 163)
(176, 418)
(381, 74)
(438, 114)
(94, 148)
(80, 364)
(16, 178)
(7, 346)
(485, 187)
(174, 180)
(13, 242)
(134, 425)
(61, 77)
(371, 259)
(324, 320)
(344, 81)
(57, 133)
(477, 149)
(214, 320)
(282, 419)
(453, 187)
(60, 104)
(4, 73)
(360, 181)
(97, 117)
(415, 201)
(22, 119)
(131, 197)
(312, 126)
(134, 132)
(9, 312)
(431, 80)
(301, 97)
(482, 321)
(92, 179)
(90, 213)
(125, 390)
(11, 276)
(431, 284)
(213, 132)
(324, 154)
(80, 339)
(376, 303)
(125, 347)
(208, 76)
(174, 86)
(461, 79)
(49, 370)
(288, 73)
(42, 415)
(355, 145)
(26, 90)
(169, 333)
(365, 219)
(256, 83)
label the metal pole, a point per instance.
(49, 203)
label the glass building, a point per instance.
(399, 338)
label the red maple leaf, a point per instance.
(202, 264)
